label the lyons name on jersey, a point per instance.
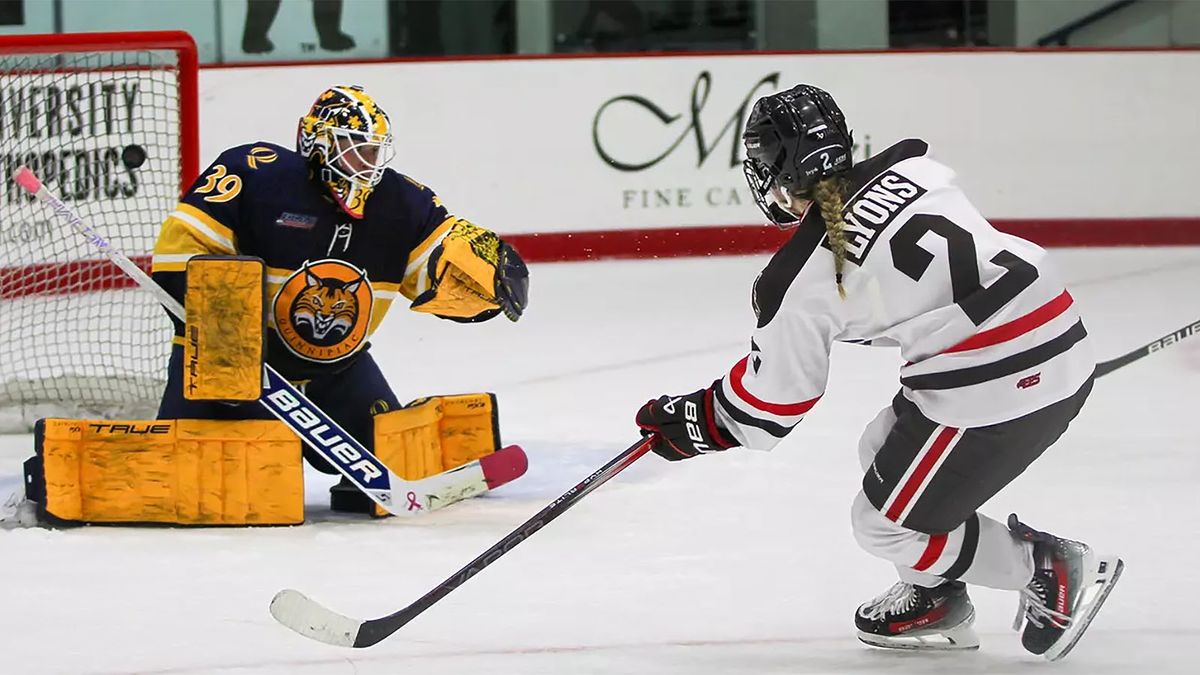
(873, 208)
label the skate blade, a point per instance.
(1102, 576)
(960, 638)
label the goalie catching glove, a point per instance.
(682, 427)
(474, 275)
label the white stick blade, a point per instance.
(312, 620)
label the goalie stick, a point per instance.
(309, 422)
(1167, 340)
(311, 619)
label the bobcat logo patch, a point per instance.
(323, 310)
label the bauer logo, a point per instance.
(1178, 335)
(323, 309)
(320, 433)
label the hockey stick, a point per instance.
(311, 619)
(309, 422)
(1167, 340)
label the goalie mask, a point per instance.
(793, 140)
(347, 139)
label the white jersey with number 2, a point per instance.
(984, 323)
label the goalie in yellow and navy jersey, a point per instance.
(341, 235)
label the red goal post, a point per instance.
(110, 122)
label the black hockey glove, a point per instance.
(683, 426)
(512, 282)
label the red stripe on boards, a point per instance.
(926, 465)
(672, 242)
(781, 409)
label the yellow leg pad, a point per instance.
(470, 428)
(436, 434)
(407, 441)
(184, 472)
(225, 330)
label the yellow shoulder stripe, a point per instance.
(179, 240)
(205, 224)
(416, 276)
(422, 250)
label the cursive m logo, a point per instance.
(700, 91)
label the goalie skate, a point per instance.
(914, 617)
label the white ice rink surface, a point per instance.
(738, 563)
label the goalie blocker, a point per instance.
(225, 331)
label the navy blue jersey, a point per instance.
(331, 277)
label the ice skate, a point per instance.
(1070, 583)
(914, 617)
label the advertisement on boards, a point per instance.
(602, 144)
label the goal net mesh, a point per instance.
(102, 130)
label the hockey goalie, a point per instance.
(292, 258)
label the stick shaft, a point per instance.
(375, 630)
(1167, 340)
(105, 247)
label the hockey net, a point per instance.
(108, 121)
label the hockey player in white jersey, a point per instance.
(889, 252)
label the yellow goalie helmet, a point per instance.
(347, 139)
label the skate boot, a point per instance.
(346, 497)
(914, 617)
(1070, 583)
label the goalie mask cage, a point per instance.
(109, 122)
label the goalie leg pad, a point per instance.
(180, 472)
(435, 434)
(225, 332)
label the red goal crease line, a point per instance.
(85, 276)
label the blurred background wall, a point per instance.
(240, 31)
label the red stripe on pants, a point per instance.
(933, 551)
(914, 481)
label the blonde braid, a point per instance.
(828, 193)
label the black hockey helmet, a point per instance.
(793, 139)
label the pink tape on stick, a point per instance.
(27, 180)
